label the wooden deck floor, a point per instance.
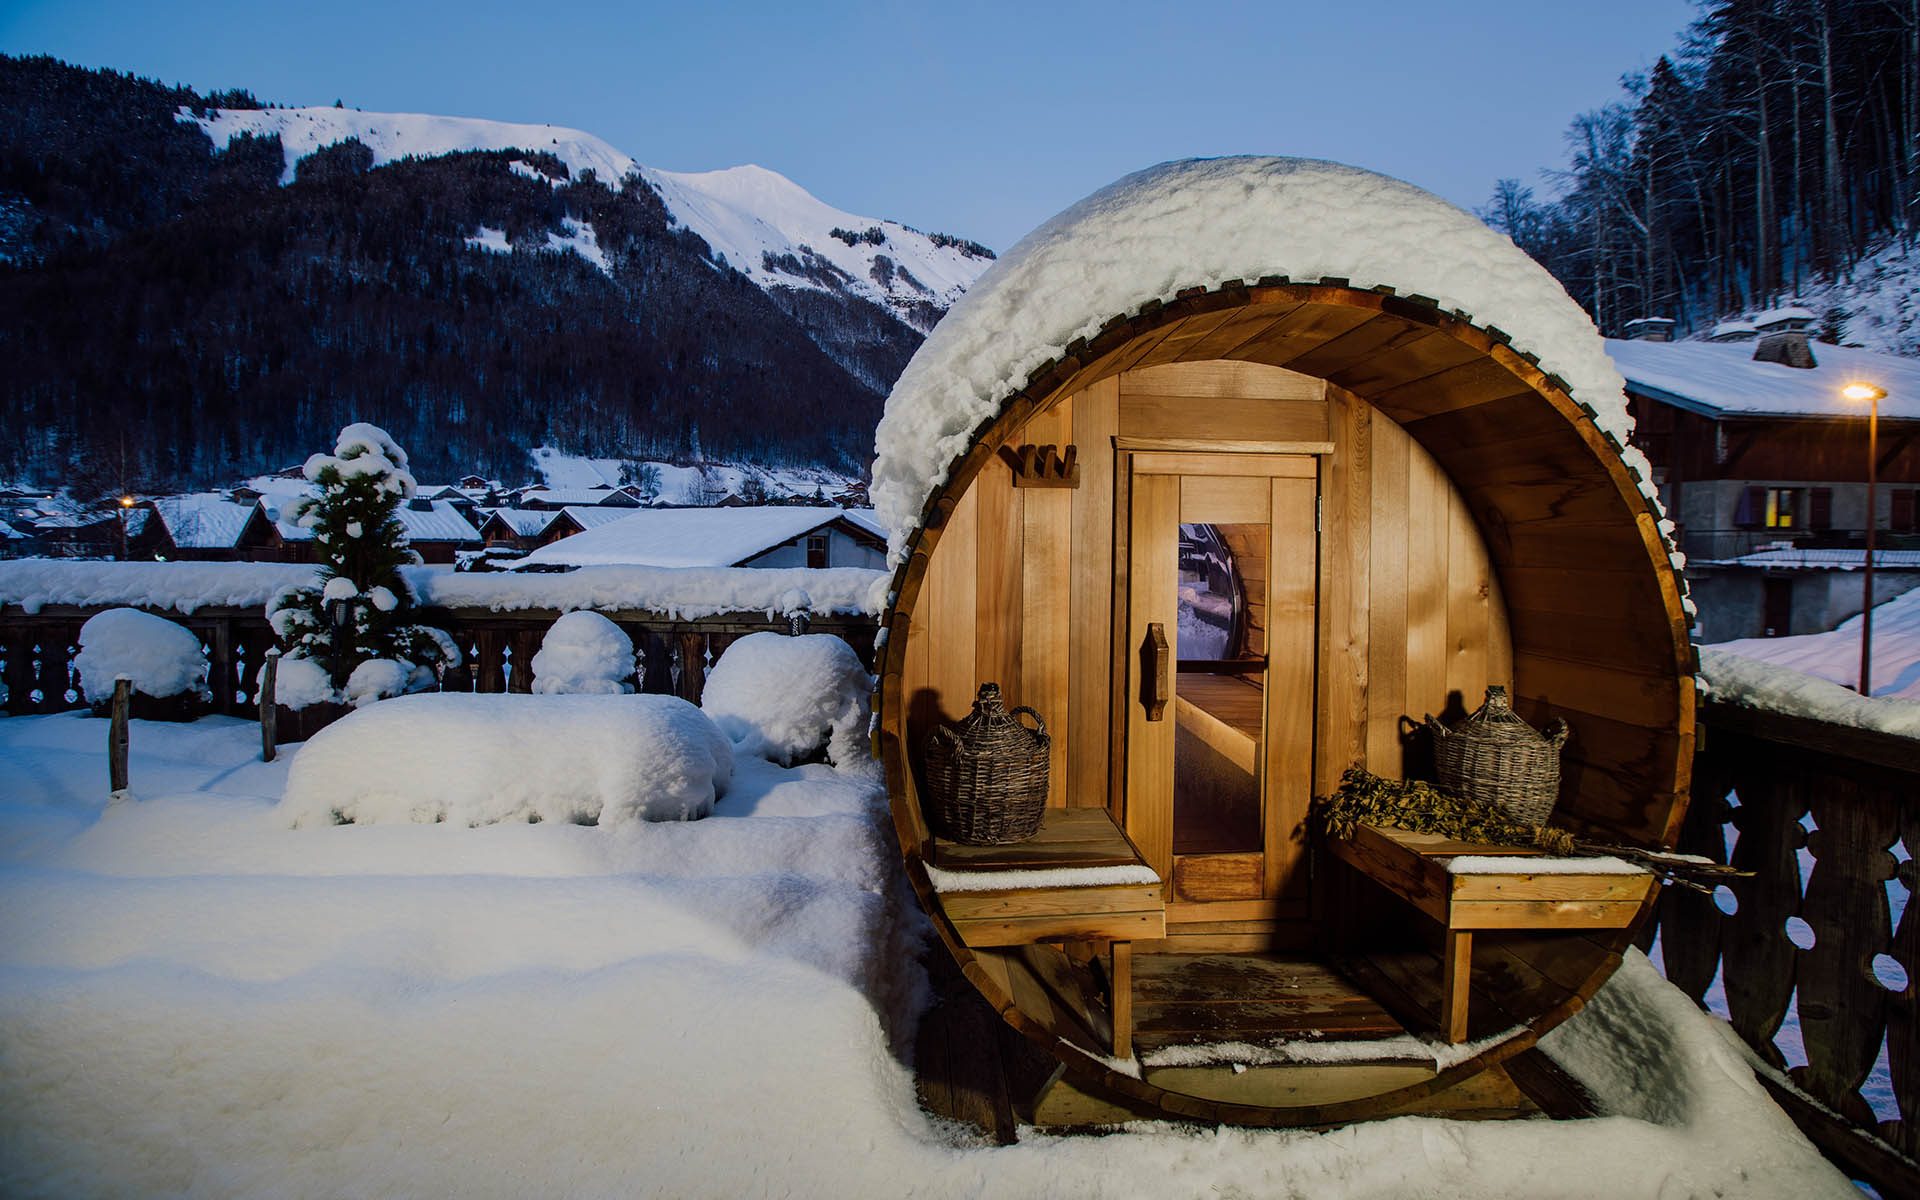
(1185, 1000)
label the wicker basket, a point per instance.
(1496, 758)
(987, 775)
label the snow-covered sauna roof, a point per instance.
(1200, 223)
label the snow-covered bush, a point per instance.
(301, 682)
(362, 547)
(481, 760)
(782, 698)
(161, 658)
(586, 653)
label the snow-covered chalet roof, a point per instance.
(687, 537)
(442, 522)
(203, 520)
(524, 522)
(1200, 223)
(1720, 378)
(573, 497)
(595, 517)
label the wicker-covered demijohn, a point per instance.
(1496, 758)
(987, 774)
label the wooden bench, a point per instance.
(1415, 868)
(1113, 915)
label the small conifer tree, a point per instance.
(360, 612)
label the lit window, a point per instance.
(1783, 508)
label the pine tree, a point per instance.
(362, 547)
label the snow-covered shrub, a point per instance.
(161, 658)
(480, 760)
(362, 547)
(377, 679)
(782, 697)
(301, 682)
(586, 653)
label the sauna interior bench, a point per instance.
(1113, 915)
(1414, 868)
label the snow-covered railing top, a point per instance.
(1201, 223)
(1733, 679)
(678, 593)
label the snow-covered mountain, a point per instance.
(756, 221)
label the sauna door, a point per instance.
(1222, 579)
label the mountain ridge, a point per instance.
(184, 307)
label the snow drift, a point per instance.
(782, 698)
(481, 760)
(584, 653)
(160, 658)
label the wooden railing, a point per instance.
(1827, 818)
(671, 657)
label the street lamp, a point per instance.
(126, 503)
(1872, 394)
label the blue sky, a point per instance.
(980, 120)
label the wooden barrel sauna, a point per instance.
(1357, 507)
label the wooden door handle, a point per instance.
(1156, 663)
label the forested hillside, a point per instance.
(1770, 152)
(183, 312)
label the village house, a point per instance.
(1763, 466)
(553, 499)
(762, 536)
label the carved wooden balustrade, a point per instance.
(671, 657)
(1827, 817)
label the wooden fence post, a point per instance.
(117, 733)
(269, 704)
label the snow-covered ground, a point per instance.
(1835, 655)
(199, 1000)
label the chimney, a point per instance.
(1650, 329)
(420, 504)
(1783, 337)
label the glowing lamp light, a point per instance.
(1871, 394)
(126, 502)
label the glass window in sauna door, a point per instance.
(1219, 691)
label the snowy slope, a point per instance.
(705, 483)
(756, 221)
(1880, 297)
(393, 136)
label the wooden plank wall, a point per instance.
(1414, 619)
(1019, 589)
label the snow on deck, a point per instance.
(1722, 377)
(680, 593)
(1200, 223)
(200, 1000)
